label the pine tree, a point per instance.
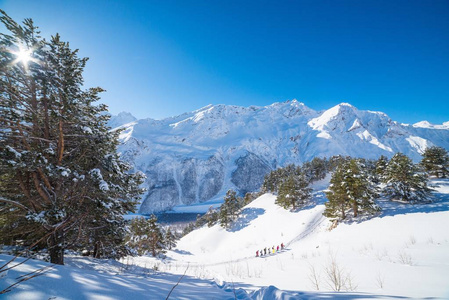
(211, 217)
(338, 201)
(271, 181)
(381, 165)
(294, 192)
(155, 237)
(229, 209)
(435, 161)
(404, 181)
(56, 151)
(360, 189)
(350, 189)
(137, 237)
(223, 216)
(145, 236)
(170, 239)
(318, 169)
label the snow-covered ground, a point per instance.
(403, 253)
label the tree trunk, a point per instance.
(96, 252)
(56, 250)
(355, 208)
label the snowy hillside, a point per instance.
(196, 157)
(401, 254)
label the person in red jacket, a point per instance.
(257, 253)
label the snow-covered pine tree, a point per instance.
(435, 161)
(350, 188)
(145, 236)
(169, 239)
(223, 216)
(137, 237)
(155, 237)
(404, 181)
(381, 165)
(271, 181)
(338, 201)
(294, 192)
(55, 148)
(229, 209)
(316, 169)
(360, 189)
(275, 178)
(211, 216)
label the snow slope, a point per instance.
(404, 252)
(401, 254)
(96, 279)
(196, 157)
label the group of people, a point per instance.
(268, 250)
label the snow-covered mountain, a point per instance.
(196, 157)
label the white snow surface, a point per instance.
(401, 254)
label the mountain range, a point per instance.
(197, 156)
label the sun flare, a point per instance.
(23, 55)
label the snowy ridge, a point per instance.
(196, 157)
(425, 124)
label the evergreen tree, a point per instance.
(56, 151)
(137, 238)
(352, 189)
(224, 217)
(315, 169)
(360, 189)
(275, 178)
(229, 209)
(170, 239)
(435, 161)
(404, 181)
(294, 192)
(271, 181)
(338, 201)
(211, 217)
(145, 236)
(249, 197)
(336, 161)
(381, 165)
(155, 237)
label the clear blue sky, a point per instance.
(161, 58)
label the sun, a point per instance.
(23, 55)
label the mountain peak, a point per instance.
(121, 119)
(428, 125)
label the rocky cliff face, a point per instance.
(198, 156)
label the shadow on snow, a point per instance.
(246, 216)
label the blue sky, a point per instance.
(162, 58)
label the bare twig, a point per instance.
(26, 277)
(168, 296)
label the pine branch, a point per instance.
(15, 203)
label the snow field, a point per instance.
(402, 253)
